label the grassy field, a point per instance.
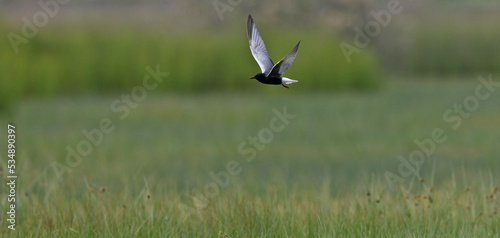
(79, 56)
(321, 175)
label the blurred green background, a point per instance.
(105, 46)
(353, 119)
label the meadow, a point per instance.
(322, 175)
(80, 56)
(210, 153)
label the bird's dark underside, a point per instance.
(267, 79)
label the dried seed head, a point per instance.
(421, 180)
(102, 190)
(91, 190)
(377, 201)
(368, 194)
(467, 188)
(148, 196)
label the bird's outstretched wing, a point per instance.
(258, 48)
(282, 66)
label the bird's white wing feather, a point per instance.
(282, 66)
(258, 48)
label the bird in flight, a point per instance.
(271, 73)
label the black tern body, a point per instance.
(271, 73)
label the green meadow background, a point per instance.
(337, 169)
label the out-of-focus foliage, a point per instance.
(81, 57)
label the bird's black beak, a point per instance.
(252, 77)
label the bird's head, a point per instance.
(258, 76)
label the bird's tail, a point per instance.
(288, 81)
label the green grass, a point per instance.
(461, 44)
(80, 56)
(311, 180)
